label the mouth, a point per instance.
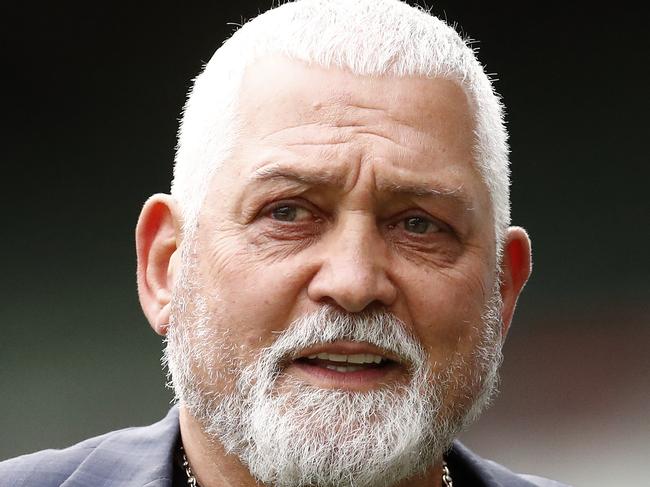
(346, 365)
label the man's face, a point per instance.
(353, 195)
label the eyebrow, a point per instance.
(455, 195)
(423, 190)
(276, 171)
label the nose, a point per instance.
(353, 270)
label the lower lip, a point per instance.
(369, 378)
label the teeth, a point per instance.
(338, 358)
(349, 368)
(357, 358)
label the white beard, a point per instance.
(290, 434)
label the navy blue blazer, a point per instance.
(144, 456)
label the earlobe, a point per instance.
(516, 267)
(157, 239)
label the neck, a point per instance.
(211, 465)
(214, 467)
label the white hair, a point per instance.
(366, 37)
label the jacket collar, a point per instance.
(134, 456)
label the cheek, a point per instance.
(446, 310)
(251, 298)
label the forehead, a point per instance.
(277, 92)
(410, 131)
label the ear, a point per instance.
(157, 239)
(515, 271)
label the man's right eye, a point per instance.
(285, 212)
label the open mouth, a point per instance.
(346, 363)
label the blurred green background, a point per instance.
(92, 97)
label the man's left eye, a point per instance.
(421, 225)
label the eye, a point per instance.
(284, 213)
(289, 212)
(420, 225)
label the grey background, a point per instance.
(91, 101)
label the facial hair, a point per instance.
(290, 433)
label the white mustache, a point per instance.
(328, 324)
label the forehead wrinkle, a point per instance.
(282, 132)
(327, 133)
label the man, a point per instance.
(334, 270)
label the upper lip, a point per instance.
(342, 347)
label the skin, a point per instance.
(352, 191)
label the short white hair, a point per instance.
(366, 37)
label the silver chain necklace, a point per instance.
(191, 479)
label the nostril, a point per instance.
(350, 304)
